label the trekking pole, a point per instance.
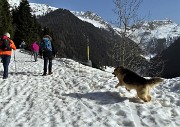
(31, 55)
(15, 60)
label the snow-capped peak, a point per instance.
(14, 3)
(37, 9)
(41, 9)
(164, 29)
(152, 25)
(92, 18)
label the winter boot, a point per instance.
(44, 74)
(49, 73)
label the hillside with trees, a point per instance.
(26, 26)
(71, 36)
(20, 23)
(170, 56)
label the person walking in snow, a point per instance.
(48, 52)
(35, 50)
(23, 45)
(5, 52)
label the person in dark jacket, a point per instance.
(48, 55)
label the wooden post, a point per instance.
(87, 48)
(88, 52)
(89, 63)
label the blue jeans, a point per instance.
(6, 60)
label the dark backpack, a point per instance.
(46, 45)
(5, 44)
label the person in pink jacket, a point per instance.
(35, 50)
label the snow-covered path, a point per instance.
(79, 96)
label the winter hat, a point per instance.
(47, 36)
(7, 34)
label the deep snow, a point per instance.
(80, 96)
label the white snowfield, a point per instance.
(79, 96)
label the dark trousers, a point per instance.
(6, 60)
(46, 59)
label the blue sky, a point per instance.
(151, 9)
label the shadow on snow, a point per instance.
(102, 97)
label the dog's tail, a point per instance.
(154, 81)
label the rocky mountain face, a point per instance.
(155, 36)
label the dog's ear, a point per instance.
(116, 68)
(121, 67)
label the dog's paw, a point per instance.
(148, 98)
(117, 85)
(145, 99)
(128, 90)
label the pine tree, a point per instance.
(46, 31)
(27, 28)
(1, 1)
(5, 18)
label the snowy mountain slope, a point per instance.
(154, 36)
(42, 9)
(77, 95)
(37, 9)
(163, 29)
(92, 18)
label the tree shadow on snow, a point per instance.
(103, 97)
(21, 73)
(25, 61)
